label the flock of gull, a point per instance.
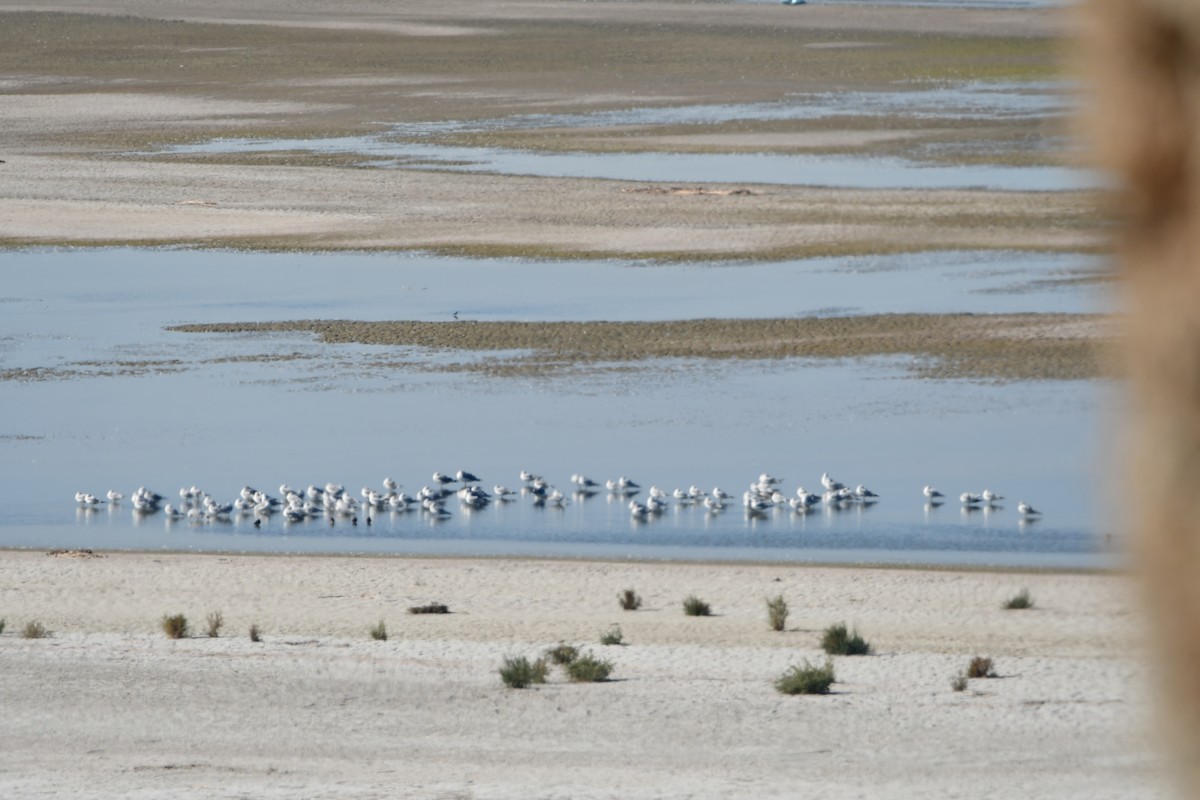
(332, 502)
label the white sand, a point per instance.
(110, 707)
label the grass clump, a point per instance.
(612, 636)
(34, 630)
(695, 607)
(777, 612)
(1021, 599)
(630, 600)
(517, 673)
(1, 624)
(378, 631)
(175, 626)
(431, 608)
(255, 633)
(980, 667)
(959, 682)
(806, 678)
(589, 669)
(563, 653)
(838, 641)
(214, 621)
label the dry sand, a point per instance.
(110, 707)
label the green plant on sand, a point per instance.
(838, 641)
(695, 607)
(589, 669)
(806, 678)
(777, 612)
(175, 626)
(519, 672)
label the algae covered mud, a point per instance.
(942, 323)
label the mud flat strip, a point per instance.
(1000, 347)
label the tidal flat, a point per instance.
(93, 100)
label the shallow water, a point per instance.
(136, 405)
(947, 101)
(976, 100)
(851, 172)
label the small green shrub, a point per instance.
(630, 600)
(1, 624)
(175, 626)
(378, 631)
(589, 669)
(612, 636)
(959, 682)
(777, 612)
(563, 653)
(695, 607)
(1020, 600)
(431, 608)
(255, 633)
(215, 620)
(34, 630)
(806, 678)
(517, 673)
(837, 641)
(980, 667)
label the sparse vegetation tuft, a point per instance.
(255, 633)
(175, 626)
(34, 630)
(563, 653)
(837, 641)
(777, 612)
(695, 607)
(517, 673)
(612, 636)
(959, 682)
(630, 600)
(1020, 600)
(215, 620)
(589, 669)
(431, 608)
(1, 624)
(378, 631)
(806, 678)
(981, 667)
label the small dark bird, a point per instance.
(354, 520)
(258, 523)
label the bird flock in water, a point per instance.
(333, 502)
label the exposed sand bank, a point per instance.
(997, 346)
(109, 706)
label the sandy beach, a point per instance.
(109, 706)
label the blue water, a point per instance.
(851, 172)
(974, 100)
(130, 404)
